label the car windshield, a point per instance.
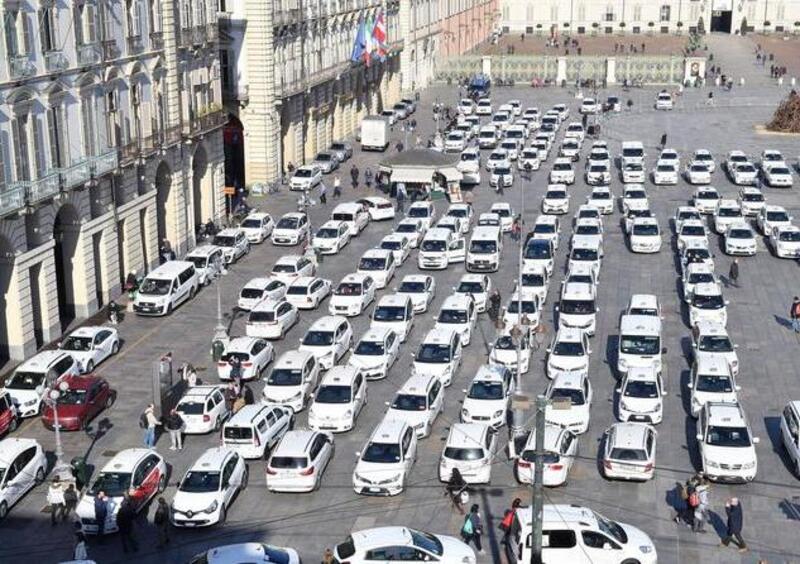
(501, 211)
(537, 249)
(369, 348)
(463, 454)
(333, 394)
(707, 196)
(303, 173)
(155, 287)
(318, 338)
(708, 302)
(697, 255)
(198, 262)
(452, 316)
(251, 222)
(406, 228)
(391, 245)
(290, 268)
(729, 212)
(740, 234)
(703, 157)
(114, 484)
(752, 197)
(635, 195)
(225, 240)
(433, 353)
(338, 146)
(715, 343)
(736, 437)
(486, 391)
(611, 528)
(382, 453)
(368, 263)
(501, 170)
(634, 167)
(777, 170)
(747, 168)
(528, 306)
(285, 377)
(577, 307)
(568, 348)
(507, 343)
(641, 389)
(343, 216)
(562, 166)
(412, 287)
(639, 344)
(191, 407)
(389, 313)
(409, 402)
(584, 254)
(587, 230)
(348, 289)
(714, 384)
(693, 230)
(470, 287)
(288, 223)
(200, 482)
(544, 228)
(790, 236)
(574, 396)
(643, 311)
(434, 245)
(78, 344)
(777, 216)
(483, 247)
(427, 542)
(699, 168)
(417, 211)
(647, 229)
(22, 380)
(469, 157)
(628, 454)
(533, 280)
(327, 233)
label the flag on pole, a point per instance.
(360, 44)
(369, 45)
(379, 37)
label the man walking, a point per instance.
(701, 511)
(125, 518)
(100, 513)
(323, 193)
(401, 196)
(794, 314)
(494, 306)
(70, 500)
(733, 273)
(151, 421)
(161, 521)
(472, 529)
(55, 497)
(174, 425)
(354, 176)
(507, 524)
(733, 508)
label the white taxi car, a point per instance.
(602, 199)
(421, 288)
(233, 242)
(376, 352)
(418, 402)
(271, 319)
(489, 396)
(633, 173)
(506, 214)
(727, 447)
(640, 395)
(772, 216)
(504, 351)
(634, 198)
(297, 463)
(630, 451)
(665, 173)
(711, 380)
(469, 448)
(705, 199)
(386, 461)
(778, 176)
(328, 339)
(697, 173)
(307, 292)
(257, 226)
(712, 339)
(458, 313)
(379, 209)
(289, 267)
(23, 467)
(379, 264)
(476, 285)
(253, 354)
(439, 354)
(555, 200)
(395, 312)
(645, 235)
(339, 400)
(569, 352)
(785, 241)
(740, 239)
(707, 304)
(352, 295)
(399, 245)
(692, 231)
(292, 380)
(259, 289)
(726, 213)
(90, 345)
(355, 215)
(291, 229)
(570, 395)
(331, 237)
(412, 229)
(705, 157)
(751, 200)
(560, 451)
(562, 172)
(424, 212)
(203, 409)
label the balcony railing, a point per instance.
(291, 86)
(139, 148)
(157, 40)
(11, 199)
(172, 135)
(20, 66)
(110, 49)
(75, 175)
(205, 123)
(36, 190)
(104, 163)
(89, 54)
(55, 61)
(134, 44)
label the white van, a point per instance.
(29, 382)
(488, 137)
(208, 262)
(485, 248)
(439, 248)
(166, 287)
(578, 306)
(256, 428)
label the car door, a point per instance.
(369, 290)
(360, 387)
(409, 449)
(435, 399)
(230, 482)
(790, 431)
(13, 487)
(101, 346)
(282, 421)
(287, 314)
(392, 346)
(457, 251)
(599, 548)
(258, 355)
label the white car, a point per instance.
(328, 339)
(379, 264)
(560, 451)
(331, 237)
(469, 165)
(587, 252)
(670, 156)
(307, 292)
(599, 155)
(498, 158)
(727, 213)
(539, 253)
(424, 212)
(296, 464)
(257, 226)
(697, 173)
(418, 402)
(770, 158)
(569, 352)
(489, 396)
(598, 175)
(705, 200)
(692, 232)
(529, 159)
(502, 174)
(704, 156)
(421, 288)
(506, 214)
(778, 176)
(386, 461)
(140, 472)
(376, 352)
(259, 289)
(439, 354)
(271, 319)
(556, 200)
(734, 159)
(305, 178)
(578, 306)
(694, 274)
(511, 147)
(23, 466)
(634, 198)
(645, 235)
(470, 449)
(292, 380)
(458, 313)
(664, 101)
(489, 219)
(602, 199)
(339, 400)
(707, 304)
(360, 545)
(352, 295)
(522, 309)
(570, 395)
(504, 351)
(785, 241)
(253, 354)
(630, 451)
(290, 267)
(740, 239)
(727, 447)
(379, 209)
(711, 380)
(203, 409)
(771, 217)
(484, 107)
(633, 173)
(575, 130)
(562, 172)
(291, 229)
(233, 242)
(90, 345)
(476, 285)
(535, 281)
(751, 200)
(412, 229)
(464, 213)
(745, 174)
(640, 395)
(355, 215)
(711, 339)
(665, 173)
(547, 227)
(455, 142)
(570, 148)
(790, 433)
(399, 245)
(587, 232)
(685, 213)
(208, 488)
(466, 106)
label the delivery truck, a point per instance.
(374, 133)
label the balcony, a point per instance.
(135, 44)
(20, 66)
(327, 74)
(291, 87)
(75, 175)
(172, 135)
(110, 50)
(35, 191)
(212, 32)
(212, 119)
(55, 61)
(12, 199)
(143, 147)
(157, 40)
(104, 163)
(89, 54)
(281, 17)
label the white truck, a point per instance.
(374, 133)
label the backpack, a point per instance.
(467, 529)
(143, 420)
(508, 519)
(694, 498)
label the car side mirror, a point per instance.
(58, 344)
(387, 403)
(606, 546)
(39, 390)
(727, 302)
(300, 340)
(699, 436)
(735, 347)
(664, 350)
(756, 440)
(548, 350)
(664, 393)
(618, 390)
(737, 387)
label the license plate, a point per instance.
(374, 490)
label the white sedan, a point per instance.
(421, 288)
(413, 229)
(556, 200)
(665, 173)
(778, 176)
(307, 292)
(602, 199)
(784, 240)
(697, 173)
(399, 245)
(91, 345)
(379, 208)
(740, 239)
(498, 158)
(331, 237)
(375, 353)
(253, 355)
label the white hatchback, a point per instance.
(252, 353)
(488, 397)
(271, 318)
(394, 312)
(560, 451)
(399, 245)
(640, 395)
(418, 402)
(458, 313)
(90, 345)
(421, 288)
(555, 200)
(328, 339)
(257, 226)
(297, 463)
(203, 409)
(376, 352)
(630, 451)
(307, 292)
(379, 264)
(331, 237)
(476, 285)
(339, 400)
(569, 352)
(352, 296)
(385, 463)
(570, 395)
(292, 380)
(469, 448)
(258, 289)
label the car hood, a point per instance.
(330, 410)
(285, 232)
(455, 551)
(637, 538)
(195, 502)
(376, 472)
(366, 362)
(85, 509)
(641, 405)
(571, 416)
(567, 363)
(728, 455)
(22, 396)
(280, 393)
(483, 407)
(434, 369)
(346, 300)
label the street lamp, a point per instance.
(522, 320)
(61, 469)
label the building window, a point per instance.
(18, 33)
(85, 24)
(48, 26)
(664, 13)
(751, 12)
(20, 136)
(88, 125)
(133, 9)
(58, 137)
(581, 12)
(609, 15)
(225, 69)
(780, 12)
(554, 13)
(637, 12)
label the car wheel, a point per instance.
(217, 424)
(162, 483)
(3, 510)
(40, 475)
(169, 308)
(115, 348)
(245, 479)
(630, 561)
(89, 366)
(13, 425)
(110, 400)
(192, 292)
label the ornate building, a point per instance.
(110, 143)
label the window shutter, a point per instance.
(77, 25)
(20, 141)
(27, 37)
(140, 23)
(99, 106)
(3, 162)
(54, 137)
(38, 147)
(64, 136)
(91, 23)
(86, 122)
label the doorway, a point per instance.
(721, 20)
(66, 229)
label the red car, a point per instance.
(8, 414)
(85, 397)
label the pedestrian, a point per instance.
(236, 368)
(701, 511)
(399, 146)
(100, 513)
(55, 498)
(70, 500)
(125, 518)
(337, 190)
(401, 196)
(323, 193)
(516, 230)
(507, 524)
(230, 396)
(733, 273)
(161, 521)
(190, 375)
(494, 305)
(354, 176)
(174, 424)
(80, 551)
(500, 182)
(540, 334)
(149, 422)
(733, 509)
(710, 99)
(663, 140)
(794, 314)
(457, 490)
(472, 529)
(469, 198)
(327, 557)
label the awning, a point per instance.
(413, 175)
(452, 174)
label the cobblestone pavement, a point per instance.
(600, 45)
(310, 522)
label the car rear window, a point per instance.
(238, 433)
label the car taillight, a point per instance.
(555, 467)
(607, 464)
(523, 464)
(247, 364)
(206, 418)
(648, 467)
(256, 440)
(270, 471)
(308, 471)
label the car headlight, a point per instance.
(749, 465)
(646, 549)
(298, 395)
(712, 464)
(624, 406)
(348, 413)
(29, 403)
(360, 478)
(465, 413)
(623, 364)
(734, 364)
(498, 413)
(212, 508)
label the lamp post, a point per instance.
(519, 412)
(61, 468)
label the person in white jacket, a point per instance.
(55, 498)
